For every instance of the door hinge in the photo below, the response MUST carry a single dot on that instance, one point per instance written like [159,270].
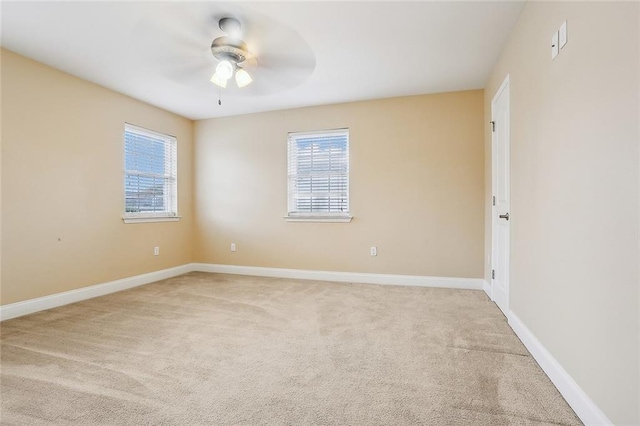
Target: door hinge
[493,126]
[493,274]
[494,200]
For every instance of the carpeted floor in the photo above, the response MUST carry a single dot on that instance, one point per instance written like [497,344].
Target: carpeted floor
[219,349]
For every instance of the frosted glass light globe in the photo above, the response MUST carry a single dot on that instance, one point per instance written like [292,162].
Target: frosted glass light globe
[224,70]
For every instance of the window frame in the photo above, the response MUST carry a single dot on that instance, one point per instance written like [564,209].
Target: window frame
[171,215]
[340,217]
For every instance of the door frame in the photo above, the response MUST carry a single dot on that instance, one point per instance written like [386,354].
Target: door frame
[494,163]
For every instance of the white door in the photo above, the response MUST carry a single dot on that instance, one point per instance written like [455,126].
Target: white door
[501,197]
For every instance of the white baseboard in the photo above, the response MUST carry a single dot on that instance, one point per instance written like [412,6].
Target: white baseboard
[584,407]
[486,286]
[351,277]
[26,307]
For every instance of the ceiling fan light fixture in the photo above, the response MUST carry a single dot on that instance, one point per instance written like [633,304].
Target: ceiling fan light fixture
[224,70]
[243,78]
[215,79]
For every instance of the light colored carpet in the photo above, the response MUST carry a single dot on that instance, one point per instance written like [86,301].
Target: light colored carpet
[220,349]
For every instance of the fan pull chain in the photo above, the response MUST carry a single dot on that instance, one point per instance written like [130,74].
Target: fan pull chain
[219,100]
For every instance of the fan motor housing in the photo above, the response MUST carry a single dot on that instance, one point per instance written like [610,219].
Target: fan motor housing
[229,49]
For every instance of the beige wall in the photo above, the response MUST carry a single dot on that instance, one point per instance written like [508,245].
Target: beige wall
[574,176]
[62,178]
[0,177]
[416,188]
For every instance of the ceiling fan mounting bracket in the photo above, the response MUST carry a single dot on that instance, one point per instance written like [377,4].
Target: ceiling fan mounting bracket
[230,25]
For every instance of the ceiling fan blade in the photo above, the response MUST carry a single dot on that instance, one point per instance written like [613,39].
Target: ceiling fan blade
[267,81]
[284,78]
[250,63]
[288,61]
[178,53]
[191,74]
[264,35]
[179,43]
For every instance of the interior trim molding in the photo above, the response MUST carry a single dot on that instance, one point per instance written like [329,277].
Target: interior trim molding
[142,219]
[486,286]
[18,309]
[577,399]
[352,277]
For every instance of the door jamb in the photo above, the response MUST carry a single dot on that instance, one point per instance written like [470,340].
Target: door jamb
[494,188]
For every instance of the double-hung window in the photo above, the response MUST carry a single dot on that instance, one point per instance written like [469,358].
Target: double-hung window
[318,176]
[151,178]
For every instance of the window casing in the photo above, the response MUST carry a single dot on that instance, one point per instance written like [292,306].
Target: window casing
[150,178]
[318,175]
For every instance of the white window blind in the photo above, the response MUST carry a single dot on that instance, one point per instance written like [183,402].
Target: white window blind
[150,182]
[318,174]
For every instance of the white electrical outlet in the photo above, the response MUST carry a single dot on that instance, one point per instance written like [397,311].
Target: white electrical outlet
[562,35]
[554,45]
[374,251]
[233,246]
[156,251]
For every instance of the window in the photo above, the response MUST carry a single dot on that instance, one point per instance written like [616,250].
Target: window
[150,180]
[318,176]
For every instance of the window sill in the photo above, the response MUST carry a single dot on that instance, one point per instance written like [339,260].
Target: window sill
[150,219]
[327,219]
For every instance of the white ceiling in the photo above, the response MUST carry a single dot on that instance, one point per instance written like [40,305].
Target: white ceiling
[158,51]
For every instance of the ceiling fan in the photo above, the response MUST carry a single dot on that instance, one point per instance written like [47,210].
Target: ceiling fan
[232,53]
[252,54]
